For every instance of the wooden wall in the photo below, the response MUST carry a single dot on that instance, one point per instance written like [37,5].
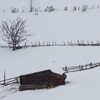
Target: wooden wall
[43,79]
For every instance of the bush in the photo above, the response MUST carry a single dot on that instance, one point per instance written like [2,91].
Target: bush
[84,8]
[49,9]
[14,10]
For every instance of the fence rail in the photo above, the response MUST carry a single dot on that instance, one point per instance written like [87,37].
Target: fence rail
[80,67]
[54,43]
[16,80]
[9,81]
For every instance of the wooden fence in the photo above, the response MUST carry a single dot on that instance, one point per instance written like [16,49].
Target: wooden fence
[80,67]
[16,80]
[54,43]
[9,81]
[68,43]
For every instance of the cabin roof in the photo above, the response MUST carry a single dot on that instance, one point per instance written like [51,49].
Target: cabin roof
[40,72]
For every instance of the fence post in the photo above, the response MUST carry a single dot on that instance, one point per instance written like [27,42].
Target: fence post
[98,6]
[4,78]
[32,44]
[80,67]
[92,43]
[78,42]
[78,7]
[91,65]
[25,45]
[16,80]
[49,44]
[88,43]
[39,43]
[55,43]
[46,43]
[66,69]
[64,43]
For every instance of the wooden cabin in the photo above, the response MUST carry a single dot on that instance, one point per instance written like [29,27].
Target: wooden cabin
[40,80]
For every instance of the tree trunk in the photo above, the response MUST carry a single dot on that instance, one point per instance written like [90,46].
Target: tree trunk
[14,47]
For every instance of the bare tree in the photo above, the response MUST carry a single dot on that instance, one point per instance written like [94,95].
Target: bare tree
[14,32]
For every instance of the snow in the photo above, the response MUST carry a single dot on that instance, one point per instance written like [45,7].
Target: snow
[56,26]
[36,59]
[4,91]
[82,85]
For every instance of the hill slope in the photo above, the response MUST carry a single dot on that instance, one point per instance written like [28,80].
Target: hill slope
[55,26]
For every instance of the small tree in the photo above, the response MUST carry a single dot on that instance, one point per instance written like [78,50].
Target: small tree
[14,32]
[84,8]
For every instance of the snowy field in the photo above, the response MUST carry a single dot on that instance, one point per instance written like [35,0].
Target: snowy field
[55,26]
[83,85]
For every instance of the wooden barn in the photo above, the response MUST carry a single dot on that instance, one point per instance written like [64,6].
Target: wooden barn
[40,80]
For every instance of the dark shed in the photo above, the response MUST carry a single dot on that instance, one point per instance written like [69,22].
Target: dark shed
[42,79]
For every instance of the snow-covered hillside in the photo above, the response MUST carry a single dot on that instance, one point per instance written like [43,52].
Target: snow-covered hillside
[82,85]
[56,26]
[43,3]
